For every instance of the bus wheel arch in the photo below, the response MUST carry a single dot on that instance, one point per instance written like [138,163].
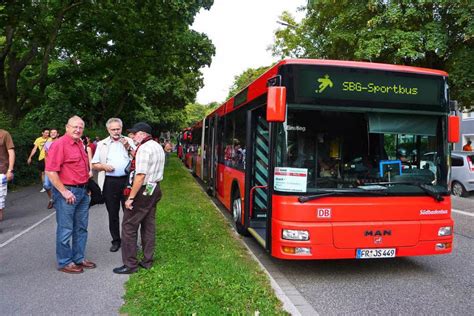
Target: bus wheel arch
[236,209]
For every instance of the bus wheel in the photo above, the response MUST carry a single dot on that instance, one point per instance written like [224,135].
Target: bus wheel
[458,189]
[237,214]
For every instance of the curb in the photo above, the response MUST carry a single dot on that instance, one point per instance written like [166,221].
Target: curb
[293,302]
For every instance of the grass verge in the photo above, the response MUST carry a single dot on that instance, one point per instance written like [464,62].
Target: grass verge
[200,265]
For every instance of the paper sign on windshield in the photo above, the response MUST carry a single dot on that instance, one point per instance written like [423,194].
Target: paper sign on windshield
[290,179]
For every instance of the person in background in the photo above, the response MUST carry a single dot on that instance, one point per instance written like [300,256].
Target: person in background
[140,207]
[85,141]
[96,140]
[38,145]
[54,135]
[468,146]
[7,163]
[111,159]
[168,148]
[68,169]
[89,143]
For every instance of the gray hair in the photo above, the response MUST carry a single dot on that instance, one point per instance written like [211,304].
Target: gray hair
[113,120]
[75,118]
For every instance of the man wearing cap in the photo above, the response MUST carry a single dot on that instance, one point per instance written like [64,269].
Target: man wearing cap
[140,207]
[67,168]
[111,159]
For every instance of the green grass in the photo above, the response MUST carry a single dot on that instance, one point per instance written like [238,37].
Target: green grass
[200,265]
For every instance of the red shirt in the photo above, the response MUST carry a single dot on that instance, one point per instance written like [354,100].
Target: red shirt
[93,147]
[69,159]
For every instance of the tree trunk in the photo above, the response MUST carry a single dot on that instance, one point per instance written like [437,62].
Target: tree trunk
[3,87]
[9,31]
[12,93]
[121,104]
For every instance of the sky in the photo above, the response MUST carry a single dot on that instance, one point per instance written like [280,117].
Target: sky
[241,31]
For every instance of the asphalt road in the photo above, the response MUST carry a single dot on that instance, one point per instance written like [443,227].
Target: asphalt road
[29,281]
[426,285]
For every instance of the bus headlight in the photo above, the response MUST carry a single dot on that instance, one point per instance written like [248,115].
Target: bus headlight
[445,231]
[292,234]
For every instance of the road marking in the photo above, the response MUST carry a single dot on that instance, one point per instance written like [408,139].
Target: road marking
[26,230]
[463,213]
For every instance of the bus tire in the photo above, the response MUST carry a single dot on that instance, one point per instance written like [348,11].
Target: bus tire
[209,191]
[458,189]
[236,204]
[193,167]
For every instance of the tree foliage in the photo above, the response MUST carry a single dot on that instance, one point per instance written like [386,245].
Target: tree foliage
[244,79]
[194,112]
[100,59]
[435,34]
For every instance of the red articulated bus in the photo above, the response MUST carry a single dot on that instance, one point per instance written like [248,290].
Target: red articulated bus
[322,159]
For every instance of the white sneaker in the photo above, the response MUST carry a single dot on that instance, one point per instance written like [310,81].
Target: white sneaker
[42,190]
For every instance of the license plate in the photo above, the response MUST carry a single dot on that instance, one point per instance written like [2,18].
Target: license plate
[375,253]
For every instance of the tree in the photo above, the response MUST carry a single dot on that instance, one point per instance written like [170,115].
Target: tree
[434,34]
[244,79]
[103,58]
[195,112]
[30,30]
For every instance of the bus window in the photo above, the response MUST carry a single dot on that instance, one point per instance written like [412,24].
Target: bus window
[234,140]
[343,150]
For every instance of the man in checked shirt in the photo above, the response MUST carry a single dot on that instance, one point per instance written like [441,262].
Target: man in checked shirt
[140,207]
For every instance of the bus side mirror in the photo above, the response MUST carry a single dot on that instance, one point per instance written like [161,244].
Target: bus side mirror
[453,129]
[276,104]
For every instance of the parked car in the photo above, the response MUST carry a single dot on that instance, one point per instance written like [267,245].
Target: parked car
[462,172]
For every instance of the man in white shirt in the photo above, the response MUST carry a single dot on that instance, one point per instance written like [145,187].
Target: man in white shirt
[111,159]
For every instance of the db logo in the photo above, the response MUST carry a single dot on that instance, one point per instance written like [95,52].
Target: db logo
[324,213]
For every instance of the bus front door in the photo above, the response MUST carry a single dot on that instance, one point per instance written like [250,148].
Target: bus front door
[258,174]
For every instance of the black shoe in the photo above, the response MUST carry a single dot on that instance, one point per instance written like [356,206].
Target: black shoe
[141,264]
[124,270]
[114,248]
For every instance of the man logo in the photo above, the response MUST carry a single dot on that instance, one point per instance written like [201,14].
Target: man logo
[324,213]
[375,233]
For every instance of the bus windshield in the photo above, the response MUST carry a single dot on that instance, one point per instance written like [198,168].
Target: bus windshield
[346,150]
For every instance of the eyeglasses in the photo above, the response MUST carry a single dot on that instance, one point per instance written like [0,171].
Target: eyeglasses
[115,129]
[76,127]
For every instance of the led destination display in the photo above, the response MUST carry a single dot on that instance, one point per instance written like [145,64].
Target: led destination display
[335,83]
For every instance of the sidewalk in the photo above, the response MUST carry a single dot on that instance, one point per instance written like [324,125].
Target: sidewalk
[29,280]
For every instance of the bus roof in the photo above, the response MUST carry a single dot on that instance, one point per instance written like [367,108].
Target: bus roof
[364,64]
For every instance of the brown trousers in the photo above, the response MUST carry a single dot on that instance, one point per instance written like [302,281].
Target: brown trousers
[142,214]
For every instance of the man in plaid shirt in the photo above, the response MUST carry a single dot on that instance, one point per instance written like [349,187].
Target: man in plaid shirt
[140,206]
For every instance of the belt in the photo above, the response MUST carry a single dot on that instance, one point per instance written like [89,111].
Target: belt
[117,177]
[83,186]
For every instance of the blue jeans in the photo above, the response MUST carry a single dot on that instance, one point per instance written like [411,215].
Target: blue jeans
[72,221]
[47,185]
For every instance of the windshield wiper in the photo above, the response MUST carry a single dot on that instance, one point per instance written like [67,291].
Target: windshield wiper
[427,188]
[430,191]
[356,192]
